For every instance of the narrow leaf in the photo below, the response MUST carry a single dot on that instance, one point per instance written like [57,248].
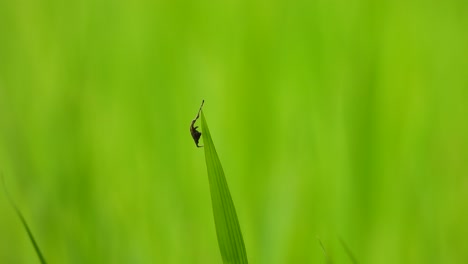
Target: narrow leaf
[25,224]
[231,243]
[348,251]
[325,254]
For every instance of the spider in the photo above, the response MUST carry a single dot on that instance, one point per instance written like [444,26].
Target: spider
[193,129]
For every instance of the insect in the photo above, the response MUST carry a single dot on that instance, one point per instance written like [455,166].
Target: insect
[193,129]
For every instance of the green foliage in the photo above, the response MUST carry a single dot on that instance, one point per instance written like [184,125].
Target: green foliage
[25,224]
[348,251]
[325,253]
[337,117]
[231,243]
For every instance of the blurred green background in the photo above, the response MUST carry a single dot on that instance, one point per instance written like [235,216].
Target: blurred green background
[331,118]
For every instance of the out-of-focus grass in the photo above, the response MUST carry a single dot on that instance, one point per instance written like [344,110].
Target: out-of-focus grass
[337,117]
[348,251]
[24,223]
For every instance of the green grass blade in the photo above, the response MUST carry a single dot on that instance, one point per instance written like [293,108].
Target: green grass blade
[25,224]
[325,254]
[348,252]
[231,243]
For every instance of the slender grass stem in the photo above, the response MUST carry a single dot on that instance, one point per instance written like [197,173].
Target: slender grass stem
[25,224]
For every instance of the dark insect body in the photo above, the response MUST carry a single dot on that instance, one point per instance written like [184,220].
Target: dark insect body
[193,129]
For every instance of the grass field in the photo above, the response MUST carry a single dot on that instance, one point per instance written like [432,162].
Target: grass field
[332,119]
